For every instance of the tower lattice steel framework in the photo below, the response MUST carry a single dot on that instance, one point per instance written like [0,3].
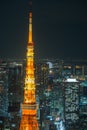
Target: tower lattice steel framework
[29,108]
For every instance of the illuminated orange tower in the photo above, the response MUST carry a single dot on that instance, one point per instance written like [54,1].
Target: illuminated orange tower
[29,109]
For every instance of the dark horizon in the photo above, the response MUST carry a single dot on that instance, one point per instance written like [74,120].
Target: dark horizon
[59,29]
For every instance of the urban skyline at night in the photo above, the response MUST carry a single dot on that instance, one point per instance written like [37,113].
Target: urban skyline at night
[59,29]
[43,65]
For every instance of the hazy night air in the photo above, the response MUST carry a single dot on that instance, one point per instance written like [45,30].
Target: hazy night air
[59,27]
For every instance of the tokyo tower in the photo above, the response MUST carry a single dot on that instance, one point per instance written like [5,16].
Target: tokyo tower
[29,108]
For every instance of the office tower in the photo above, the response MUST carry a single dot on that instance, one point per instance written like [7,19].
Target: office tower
[83,103]
[15,78]
[3,92]
[71,103]
[41,74]
[15,92]
[29,108]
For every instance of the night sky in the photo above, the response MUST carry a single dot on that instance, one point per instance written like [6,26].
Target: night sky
[59,28]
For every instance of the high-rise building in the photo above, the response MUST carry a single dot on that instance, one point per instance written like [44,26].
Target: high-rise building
[29,107]
[15,85]
[71,102]
[41,74]
[3,92]
[15,93]
[83,103]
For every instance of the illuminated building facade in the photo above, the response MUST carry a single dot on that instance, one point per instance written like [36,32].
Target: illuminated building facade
[29,108]
[41,73]
[83,102]
[71,101]
[15,77]
[3,92]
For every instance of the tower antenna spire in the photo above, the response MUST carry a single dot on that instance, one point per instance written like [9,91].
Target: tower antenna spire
[30,22]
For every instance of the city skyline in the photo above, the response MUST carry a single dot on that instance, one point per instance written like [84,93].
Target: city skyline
[59,29]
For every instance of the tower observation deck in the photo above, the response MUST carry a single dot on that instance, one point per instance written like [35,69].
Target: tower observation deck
[29,107]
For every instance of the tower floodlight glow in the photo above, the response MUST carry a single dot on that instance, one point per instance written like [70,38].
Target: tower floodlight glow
[29,108]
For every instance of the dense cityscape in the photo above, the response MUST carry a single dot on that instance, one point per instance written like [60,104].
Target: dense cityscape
[42,93]
[61,94]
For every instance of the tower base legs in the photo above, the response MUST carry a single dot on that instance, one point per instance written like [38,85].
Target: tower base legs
[29,123]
